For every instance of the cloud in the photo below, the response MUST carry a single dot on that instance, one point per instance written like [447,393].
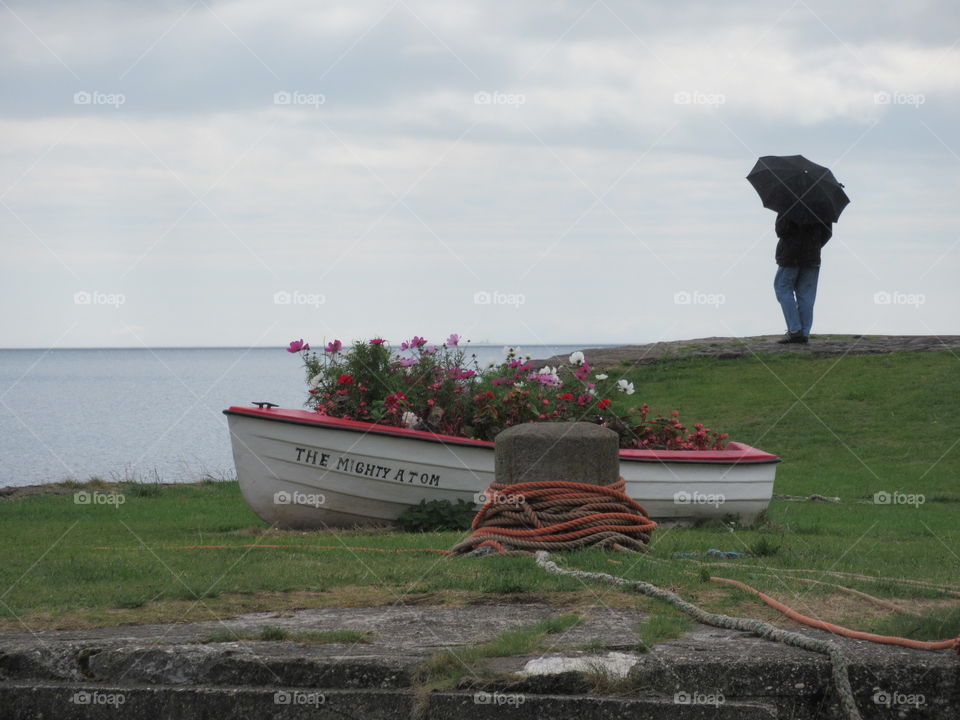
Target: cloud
[590,158]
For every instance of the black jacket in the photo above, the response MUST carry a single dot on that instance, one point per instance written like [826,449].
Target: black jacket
[799,245]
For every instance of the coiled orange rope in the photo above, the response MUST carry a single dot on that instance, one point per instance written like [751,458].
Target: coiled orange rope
[525,517]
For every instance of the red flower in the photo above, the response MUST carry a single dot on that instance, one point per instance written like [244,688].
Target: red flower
[603,404]
[392,401]
[565,396]
[345,379]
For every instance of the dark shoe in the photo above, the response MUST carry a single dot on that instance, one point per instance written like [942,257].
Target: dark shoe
[792,337]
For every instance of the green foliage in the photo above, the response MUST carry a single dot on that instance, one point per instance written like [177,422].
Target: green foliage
[437,515]
[442,389]
[764,547]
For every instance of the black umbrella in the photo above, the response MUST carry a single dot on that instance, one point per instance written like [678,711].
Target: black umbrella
[801,190]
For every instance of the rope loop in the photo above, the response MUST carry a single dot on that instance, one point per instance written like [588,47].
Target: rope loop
[522,518]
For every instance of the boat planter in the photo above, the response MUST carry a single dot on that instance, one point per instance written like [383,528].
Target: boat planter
[301,470]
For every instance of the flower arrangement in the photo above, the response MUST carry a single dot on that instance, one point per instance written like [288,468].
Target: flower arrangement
[442,389]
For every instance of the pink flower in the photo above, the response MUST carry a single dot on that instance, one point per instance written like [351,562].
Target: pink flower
[298,345]
[415,342]
[333,347]
[377,341]
[407,362]
[453,339]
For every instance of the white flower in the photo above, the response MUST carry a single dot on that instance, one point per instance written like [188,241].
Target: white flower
[577,358]
[601,376]
[511,352]
[518,384]
[491,364]
[591,391]
[315,381]
[410,419]
[625,387]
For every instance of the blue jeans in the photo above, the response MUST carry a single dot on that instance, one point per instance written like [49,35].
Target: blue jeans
[796,289]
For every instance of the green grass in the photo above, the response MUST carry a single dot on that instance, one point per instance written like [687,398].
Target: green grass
[932,625]
[862,425]
[277,634]
[664,623]
[447,667]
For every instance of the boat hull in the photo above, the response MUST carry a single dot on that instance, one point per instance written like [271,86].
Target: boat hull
[298,470]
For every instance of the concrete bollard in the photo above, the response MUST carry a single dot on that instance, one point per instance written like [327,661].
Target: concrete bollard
[573,452]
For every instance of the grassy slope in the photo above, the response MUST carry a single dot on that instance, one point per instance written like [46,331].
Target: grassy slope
[864,424]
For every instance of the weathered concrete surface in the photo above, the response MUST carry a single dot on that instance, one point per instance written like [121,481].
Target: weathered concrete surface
[64,702]
[572,452]
[729,348]
[166,672]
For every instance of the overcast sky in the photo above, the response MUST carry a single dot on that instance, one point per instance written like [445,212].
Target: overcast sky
[244,173]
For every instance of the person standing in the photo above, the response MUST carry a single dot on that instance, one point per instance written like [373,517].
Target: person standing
[798,272]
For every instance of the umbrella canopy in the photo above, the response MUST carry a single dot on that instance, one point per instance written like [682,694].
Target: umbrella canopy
[801,190]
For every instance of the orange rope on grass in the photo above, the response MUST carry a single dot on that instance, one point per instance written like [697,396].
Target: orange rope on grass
[289,547]
[840,630]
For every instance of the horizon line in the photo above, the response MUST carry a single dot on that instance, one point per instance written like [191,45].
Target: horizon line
[282,347]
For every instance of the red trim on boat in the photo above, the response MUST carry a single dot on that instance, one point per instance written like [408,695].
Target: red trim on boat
[735,453]
[305,417]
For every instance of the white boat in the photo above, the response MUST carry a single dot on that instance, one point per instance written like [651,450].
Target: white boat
[301,470]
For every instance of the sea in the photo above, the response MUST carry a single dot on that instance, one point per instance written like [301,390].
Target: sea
[148,415]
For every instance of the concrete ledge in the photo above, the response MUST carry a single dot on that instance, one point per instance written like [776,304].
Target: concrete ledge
[709,673]
[75,702]
[558,707]
[72,702]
